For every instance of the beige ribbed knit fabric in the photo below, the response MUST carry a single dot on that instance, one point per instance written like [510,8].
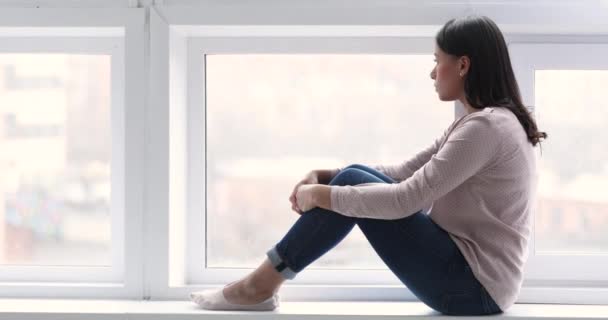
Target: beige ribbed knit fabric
[478,180]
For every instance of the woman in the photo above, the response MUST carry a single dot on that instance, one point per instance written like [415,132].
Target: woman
[453,222]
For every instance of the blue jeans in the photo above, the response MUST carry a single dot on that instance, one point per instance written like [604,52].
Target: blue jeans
[419,252]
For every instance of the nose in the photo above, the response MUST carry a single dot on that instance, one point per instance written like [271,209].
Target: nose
[432,74]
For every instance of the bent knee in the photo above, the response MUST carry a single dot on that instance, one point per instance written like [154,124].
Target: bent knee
[348,176]
[355,166]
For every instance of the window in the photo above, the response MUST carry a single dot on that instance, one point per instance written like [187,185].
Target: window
[571,216]
[70,104]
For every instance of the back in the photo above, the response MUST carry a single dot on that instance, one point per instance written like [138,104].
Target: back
[489,215]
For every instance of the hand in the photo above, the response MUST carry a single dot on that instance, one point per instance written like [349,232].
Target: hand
[310,178]
[305,197]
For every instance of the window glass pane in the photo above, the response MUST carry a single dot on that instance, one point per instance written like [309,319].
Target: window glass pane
[272,118]
[55,159]
[572,212]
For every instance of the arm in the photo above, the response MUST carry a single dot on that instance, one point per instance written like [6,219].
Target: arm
[406,169]
[471,146]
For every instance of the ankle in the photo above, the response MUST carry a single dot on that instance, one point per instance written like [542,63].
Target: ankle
[254,287]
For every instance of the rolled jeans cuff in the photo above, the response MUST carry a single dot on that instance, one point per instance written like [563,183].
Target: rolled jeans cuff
[279,264]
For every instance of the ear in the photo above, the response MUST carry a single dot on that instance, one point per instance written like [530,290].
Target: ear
[463,64]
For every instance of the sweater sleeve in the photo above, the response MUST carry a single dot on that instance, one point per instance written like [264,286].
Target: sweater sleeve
[470,148]
[406,169]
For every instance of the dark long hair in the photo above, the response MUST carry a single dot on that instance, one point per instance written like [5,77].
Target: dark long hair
[490,80]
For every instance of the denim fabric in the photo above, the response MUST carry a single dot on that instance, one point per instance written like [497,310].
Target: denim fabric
[419,252]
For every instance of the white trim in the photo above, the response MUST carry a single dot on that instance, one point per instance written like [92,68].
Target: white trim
[306,31]
[196,228]
[18,309]
[525,17]
[301,13]
[63,3]
[157,254]
[180,133]
[135,96]
[393,45]
[21,32]
[59,44]
[118,180]
[69,17]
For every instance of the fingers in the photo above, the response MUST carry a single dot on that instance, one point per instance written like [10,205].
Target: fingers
[296,209]
[293,197]
[294,201]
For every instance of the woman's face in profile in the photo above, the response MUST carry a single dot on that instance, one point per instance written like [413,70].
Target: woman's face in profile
[446,73]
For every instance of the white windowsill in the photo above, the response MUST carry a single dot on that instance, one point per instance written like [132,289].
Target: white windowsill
[16,309]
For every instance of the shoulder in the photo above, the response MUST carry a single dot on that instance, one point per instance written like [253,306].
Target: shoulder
[482,128]
[482,120]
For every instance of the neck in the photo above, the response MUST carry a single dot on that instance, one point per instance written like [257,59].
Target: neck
[467,107]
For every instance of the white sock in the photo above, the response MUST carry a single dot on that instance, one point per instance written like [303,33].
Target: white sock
[215,300]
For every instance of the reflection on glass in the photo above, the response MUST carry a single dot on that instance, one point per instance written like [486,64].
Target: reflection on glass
[55,159]
[271,118]
[572,212]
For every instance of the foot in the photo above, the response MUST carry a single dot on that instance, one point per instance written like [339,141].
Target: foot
[240,292]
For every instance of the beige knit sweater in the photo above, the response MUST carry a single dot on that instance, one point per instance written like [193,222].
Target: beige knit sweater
[478,182]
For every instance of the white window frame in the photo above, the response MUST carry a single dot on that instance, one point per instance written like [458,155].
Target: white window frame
[176,32]
[119,33]
[589,269]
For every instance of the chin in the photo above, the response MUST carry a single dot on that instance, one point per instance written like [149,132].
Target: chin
[444,98]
